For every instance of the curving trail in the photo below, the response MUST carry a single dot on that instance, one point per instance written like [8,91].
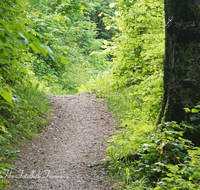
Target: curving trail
[59,158]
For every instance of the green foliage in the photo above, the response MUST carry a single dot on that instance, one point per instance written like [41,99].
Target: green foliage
[138,50]
[136,70]
[26,115]
[100,14]
[47,46]
[22,106]
[161,160]
[71,35]
[141,156]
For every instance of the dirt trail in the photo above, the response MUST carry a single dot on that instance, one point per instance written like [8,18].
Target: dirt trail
[60,156]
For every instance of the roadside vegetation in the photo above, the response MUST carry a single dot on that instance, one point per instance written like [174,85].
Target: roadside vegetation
[46,47]
[143,155]
[112,48]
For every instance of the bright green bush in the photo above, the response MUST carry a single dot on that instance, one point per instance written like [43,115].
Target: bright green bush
[161,160]
[26,115]
[136,67]
[23,107]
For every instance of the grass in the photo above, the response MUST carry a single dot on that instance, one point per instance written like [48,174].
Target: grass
[22,119]
[141,157]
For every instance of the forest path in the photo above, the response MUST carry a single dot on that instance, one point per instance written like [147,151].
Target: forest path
[60,156]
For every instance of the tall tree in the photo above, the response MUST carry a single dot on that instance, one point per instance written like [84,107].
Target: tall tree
[182,59]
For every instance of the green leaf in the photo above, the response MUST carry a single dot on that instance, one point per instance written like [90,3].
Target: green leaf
[22,41]
[22,35]
[193,118]
[34,48]
[62,59]
[99,100]
[37,48]
[37,85]
[30,36]
[195,111]
[47,48]
[169,174]
[18,26]
[187,110]
[3,128]
[127,170]
[157,188]
[1,138]
[7,96]
[3,38]
[52,57]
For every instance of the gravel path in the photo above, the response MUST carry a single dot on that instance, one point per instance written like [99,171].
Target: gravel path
[60,156]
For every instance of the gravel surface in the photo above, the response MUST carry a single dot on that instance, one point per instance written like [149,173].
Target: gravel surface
[60,156]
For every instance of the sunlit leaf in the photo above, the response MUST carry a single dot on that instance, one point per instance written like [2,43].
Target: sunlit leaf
[187,109]
[62,59]
[195,111]
[47,48]
[7,96]
[161,151]
[37,48]
[3,129]
[34,48]
[18,25]
[22,41]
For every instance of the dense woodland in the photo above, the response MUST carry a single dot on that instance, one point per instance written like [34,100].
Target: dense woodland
[116,49]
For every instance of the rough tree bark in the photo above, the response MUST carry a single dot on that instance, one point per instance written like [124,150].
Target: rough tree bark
[182,59]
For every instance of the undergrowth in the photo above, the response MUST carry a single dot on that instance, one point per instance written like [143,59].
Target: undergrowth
[46,47]
[53,47]
[68,32]
[157,160]
[20,120]
[23,107]
[143,156]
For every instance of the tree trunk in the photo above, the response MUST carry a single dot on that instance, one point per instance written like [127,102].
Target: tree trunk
[182,59]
